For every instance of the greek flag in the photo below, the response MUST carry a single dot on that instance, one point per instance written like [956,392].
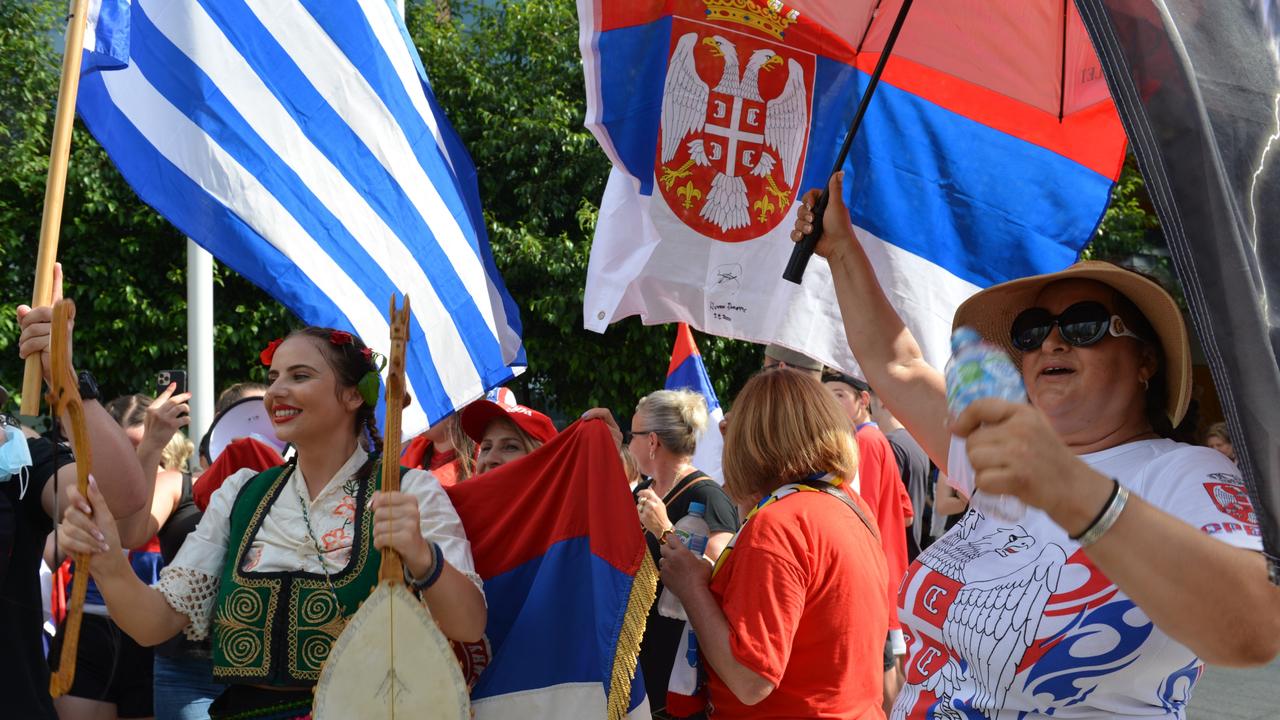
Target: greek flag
[299,142]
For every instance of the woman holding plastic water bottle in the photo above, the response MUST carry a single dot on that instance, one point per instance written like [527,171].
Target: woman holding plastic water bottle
[664,435]
[1125,560]
[791,622]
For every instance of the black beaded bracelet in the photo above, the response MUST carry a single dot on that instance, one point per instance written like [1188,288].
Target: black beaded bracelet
[436,568]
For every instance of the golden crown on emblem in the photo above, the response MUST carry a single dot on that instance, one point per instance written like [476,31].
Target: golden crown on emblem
[772,17]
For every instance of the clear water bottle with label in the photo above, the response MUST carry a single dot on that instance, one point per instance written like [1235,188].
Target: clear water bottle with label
[692,531]
[978,369]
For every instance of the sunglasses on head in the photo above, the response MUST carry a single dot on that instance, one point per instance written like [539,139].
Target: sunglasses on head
[1080,325]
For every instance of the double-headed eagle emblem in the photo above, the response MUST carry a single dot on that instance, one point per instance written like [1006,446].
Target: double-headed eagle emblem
[733,130]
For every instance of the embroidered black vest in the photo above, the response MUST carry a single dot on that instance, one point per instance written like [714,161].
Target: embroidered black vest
[277,628]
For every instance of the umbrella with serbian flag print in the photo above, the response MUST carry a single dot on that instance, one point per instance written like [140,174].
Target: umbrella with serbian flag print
[987,153]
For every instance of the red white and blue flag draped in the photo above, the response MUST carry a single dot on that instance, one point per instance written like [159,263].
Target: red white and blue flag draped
[687,372]
[568,580]
[299,142]
[988,153]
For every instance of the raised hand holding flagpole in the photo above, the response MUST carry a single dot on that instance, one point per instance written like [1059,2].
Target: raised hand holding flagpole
[55,187]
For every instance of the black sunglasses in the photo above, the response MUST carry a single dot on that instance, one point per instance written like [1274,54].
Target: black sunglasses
[1080,325]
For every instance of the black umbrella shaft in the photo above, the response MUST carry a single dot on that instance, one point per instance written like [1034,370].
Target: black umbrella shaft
[803,250]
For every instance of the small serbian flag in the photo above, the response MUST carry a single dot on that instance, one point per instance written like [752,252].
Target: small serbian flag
[568,579]
[687,371]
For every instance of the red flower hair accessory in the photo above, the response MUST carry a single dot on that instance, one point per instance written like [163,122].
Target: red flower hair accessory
[269,353]
[340,337]
[367,352]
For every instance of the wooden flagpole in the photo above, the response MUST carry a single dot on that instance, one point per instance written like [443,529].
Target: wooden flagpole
[51,222]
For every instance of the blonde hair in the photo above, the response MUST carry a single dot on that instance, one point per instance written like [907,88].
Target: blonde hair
[630,467]
[177,453]
[463,447]
[786,426]
[1218,430]
[677,416]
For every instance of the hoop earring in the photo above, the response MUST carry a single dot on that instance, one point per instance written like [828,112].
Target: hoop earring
[1146,383]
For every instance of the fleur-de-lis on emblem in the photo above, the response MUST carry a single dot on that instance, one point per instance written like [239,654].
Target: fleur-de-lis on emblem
[765,207]
[688,193]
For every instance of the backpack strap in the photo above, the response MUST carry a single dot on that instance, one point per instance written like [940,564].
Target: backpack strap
[695,478]
[838,493]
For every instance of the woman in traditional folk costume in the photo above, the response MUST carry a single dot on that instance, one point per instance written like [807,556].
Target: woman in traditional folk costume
[282,558]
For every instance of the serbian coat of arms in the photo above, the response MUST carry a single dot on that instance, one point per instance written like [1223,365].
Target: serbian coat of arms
[735,119]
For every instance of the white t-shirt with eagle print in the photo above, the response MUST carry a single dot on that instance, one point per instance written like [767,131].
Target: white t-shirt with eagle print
[1010,620]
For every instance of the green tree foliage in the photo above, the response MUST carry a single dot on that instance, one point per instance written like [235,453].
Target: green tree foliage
[1128,226]
[125,266]
[1129,233]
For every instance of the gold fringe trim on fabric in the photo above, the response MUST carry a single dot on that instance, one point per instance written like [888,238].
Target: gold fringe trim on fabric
[644,587]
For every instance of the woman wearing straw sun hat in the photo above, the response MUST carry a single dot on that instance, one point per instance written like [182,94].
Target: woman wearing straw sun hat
[1137,558]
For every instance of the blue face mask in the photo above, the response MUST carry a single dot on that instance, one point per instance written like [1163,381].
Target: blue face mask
[14,454]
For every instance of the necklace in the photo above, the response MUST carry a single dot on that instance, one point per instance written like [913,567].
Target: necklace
[682,483]
[315,543]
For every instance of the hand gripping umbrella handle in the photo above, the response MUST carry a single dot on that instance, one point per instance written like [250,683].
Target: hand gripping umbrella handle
[803,250]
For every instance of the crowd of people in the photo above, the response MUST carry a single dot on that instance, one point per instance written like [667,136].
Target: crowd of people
[843,576]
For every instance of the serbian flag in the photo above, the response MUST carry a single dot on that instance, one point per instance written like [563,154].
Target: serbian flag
[988,153]
[687,372]
[568,579]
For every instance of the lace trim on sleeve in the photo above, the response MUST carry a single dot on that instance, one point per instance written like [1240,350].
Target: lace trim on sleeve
[191,593]
[478,582]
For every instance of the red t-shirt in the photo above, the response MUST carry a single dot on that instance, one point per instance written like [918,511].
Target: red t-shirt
[801,591]
[881,486]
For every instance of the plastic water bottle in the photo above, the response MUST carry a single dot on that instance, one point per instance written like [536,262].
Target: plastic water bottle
[977,369]
[691,530]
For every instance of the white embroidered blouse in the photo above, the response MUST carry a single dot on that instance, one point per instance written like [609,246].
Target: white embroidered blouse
[283,543]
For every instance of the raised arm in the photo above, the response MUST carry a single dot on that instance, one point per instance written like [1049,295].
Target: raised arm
[115,465]
[912,389]
[165,416]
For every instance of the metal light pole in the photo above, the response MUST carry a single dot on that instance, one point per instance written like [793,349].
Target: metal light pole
[200,339]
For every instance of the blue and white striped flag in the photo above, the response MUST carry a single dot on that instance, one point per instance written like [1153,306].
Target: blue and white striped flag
[299,142]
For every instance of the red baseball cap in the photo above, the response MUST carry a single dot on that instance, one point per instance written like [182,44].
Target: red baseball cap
[477,416]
